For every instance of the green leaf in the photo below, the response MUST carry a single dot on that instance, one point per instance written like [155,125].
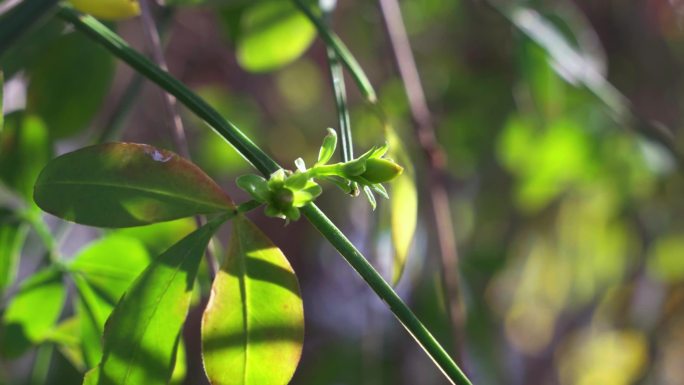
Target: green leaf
[253,326]
[111,264]
[256,186]
[126,184]
[272,34]
[93,309]
[12,237]
[33,312]
[328,148]
[101,273]
[68,84]
[24,149]
[403,206]
[67,336]
[92,377]
[142,334]
[159,236]
[180,369]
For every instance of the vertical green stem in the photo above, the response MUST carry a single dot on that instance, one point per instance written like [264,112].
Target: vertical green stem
[340,91]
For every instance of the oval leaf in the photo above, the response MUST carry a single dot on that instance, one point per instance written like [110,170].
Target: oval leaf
[142,335]
[33,312]
[272,34]
[126,184]
[253,327]
[404,206]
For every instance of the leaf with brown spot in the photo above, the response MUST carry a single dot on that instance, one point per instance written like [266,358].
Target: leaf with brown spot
[126,184]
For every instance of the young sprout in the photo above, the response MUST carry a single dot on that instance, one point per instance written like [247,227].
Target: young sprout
[285,192]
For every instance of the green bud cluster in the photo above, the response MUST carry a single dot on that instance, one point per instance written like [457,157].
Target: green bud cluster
[286,191]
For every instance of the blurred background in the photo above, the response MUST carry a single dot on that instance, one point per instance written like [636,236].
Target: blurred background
[560,123]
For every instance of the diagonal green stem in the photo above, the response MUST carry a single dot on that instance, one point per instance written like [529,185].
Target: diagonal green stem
[266,166]
[333,41]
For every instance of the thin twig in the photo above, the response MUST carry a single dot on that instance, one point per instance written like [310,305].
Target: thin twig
[171,106]
[425,132]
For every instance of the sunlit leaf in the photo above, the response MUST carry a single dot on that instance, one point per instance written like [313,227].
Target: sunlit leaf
[142,334]
[159,236]
[12,236]
[110,264]
[253,326]
[69,82]
[93,309]
[108,9]
[273,33]
[101,273]
[24,149]
[92,377]
[180,368]
[125,184]
[32,312]
[328,147]
[67,336]
[403,206]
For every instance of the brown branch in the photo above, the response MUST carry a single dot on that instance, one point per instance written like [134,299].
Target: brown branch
[171,105]
[425,133]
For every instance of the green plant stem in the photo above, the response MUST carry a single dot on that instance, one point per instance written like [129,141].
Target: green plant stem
[43,231]
[340,92]
[41,364]
[260,160]
[19,19]
[333,41]
[385,291]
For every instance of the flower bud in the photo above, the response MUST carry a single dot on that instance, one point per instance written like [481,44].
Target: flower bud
[380,170]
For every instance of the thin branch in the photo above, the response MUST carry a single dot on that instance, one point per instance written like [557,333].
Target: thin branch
[171,106]
[266,165]
[340,91]
[425,133]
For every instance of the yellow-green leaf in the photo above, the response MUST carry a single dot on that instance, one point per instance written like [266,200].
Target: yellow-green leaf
[142,335]
[403,206]
[272,34]
[126,184]
[33,312]
[253,326]
[108,9]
